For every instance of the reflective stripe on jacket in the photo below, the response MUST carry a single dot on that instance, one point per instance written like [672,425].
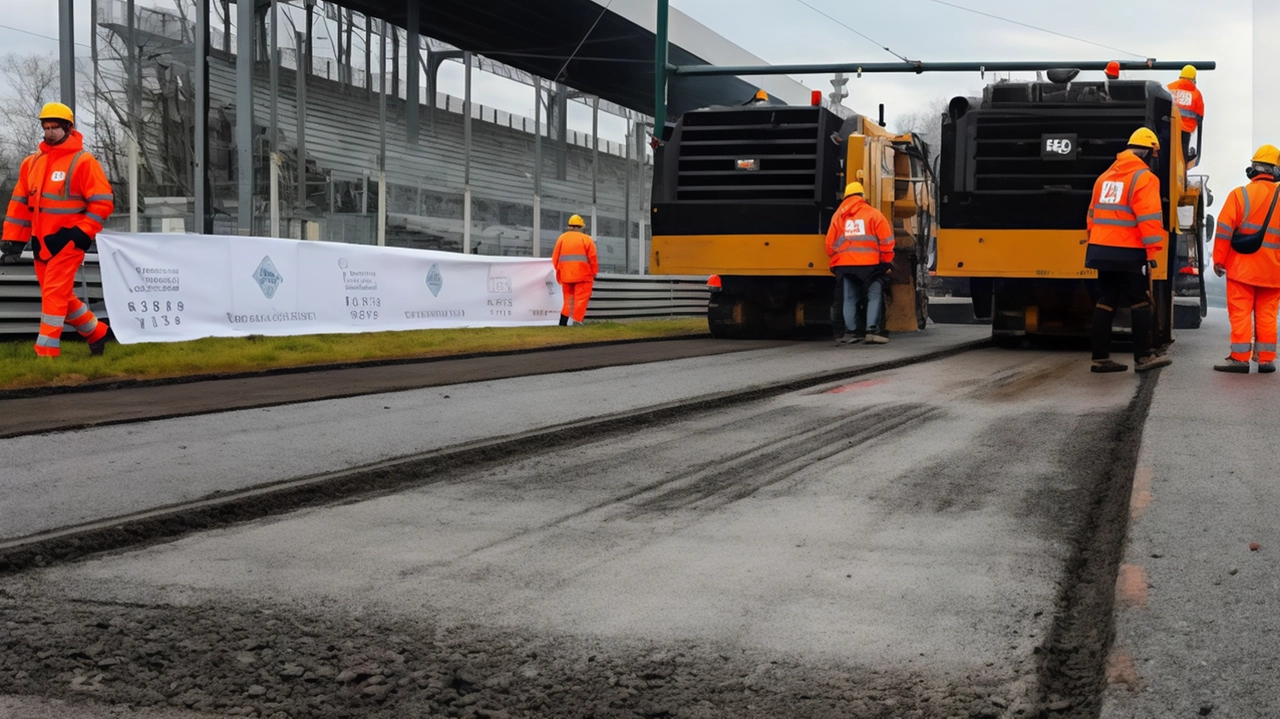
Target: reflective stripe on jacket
[60,186]
[575,258]
[1126,209]
[859,235]
[1189,101]
[1245,209]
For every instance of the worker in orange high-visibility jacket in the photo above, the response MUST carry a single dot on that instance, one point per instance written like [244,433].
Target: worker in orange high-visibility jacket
[1126,235]
[860,245]
[576,268]
[59,205]
[1253,280]
[1186,95]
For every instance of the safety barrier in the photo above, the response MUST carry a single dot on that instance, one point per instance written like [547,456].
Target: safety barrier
[20,296]
[613,296]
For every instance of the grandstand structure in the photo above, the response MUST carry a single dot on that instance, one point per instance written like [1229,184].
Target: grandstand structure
[378,153]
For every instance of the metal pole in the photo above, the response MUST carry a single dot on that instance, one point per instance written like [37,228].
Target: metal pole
[537,166]
[413,53]
[466,141]
[301,83]
[244,114]
[626,199]
[595,164]
[132,82]
[133,183]
[660,69]
[382,134]
[274,55]
[640,204]
[67,50]
[275,194]
[920,67]
[202,115]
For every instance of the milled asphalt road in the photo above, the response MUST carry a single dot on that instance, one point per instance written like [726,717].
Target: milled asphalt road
[115,470]
[900,539]
[1198,611]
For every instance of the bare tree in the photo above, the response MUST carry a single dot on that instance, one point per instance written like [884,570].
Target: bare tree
[927,123]
[33,80]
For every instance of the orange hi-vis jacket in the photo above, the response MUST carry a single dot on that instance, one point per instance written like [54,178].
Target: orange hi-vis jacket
[575,258]
[1126,210]
[1189,101]
[1245,209]
[859,235]
[58,187]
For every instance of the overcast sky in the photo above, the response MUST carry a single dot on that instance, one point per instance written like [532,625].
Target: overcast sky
[788,31]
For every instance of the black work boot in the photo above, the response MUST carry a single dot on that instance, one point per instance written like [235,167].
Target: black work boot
[564,320]
[96,349]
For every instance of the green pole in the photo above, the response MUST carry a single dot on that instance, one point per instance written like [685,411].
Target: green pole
[660,70]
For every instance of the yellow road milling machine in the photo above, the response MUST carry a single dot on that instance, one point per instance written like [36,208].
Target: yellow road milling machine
[1016,178]
[744,196]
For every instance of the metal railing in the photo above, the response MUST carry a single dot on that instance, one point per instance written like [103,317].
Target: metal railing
[614,296]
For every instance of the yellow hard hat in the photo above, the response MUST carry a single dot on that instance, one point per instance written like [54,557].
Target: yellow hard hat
[762,95]
[853,188]
[576,221]
[1268,155]
[1143,137]
[1188,72]
[57,111]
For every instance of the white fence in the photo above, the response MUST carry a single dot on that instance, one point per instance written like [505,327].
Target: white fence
[613,296]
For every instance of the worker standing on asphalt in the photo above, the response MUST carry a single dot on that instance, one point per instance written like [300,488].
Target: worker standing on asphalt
[60,204]
[1126,235]
[576,268]
[1186,95]
[1252,268]
[860,245]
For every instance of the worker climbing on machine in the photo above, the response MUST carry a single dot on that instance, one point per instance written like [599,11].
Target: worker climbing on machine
[1126,235]
[59,204]
[1246,249]
[576,268]
[860,244]
[1186,95]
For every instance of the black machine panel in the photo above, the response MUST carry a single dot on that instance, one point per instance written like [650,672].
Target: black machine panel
[1026,155]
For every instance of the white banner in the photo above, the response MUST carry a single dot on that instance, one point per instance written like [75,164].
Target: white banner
[171,287]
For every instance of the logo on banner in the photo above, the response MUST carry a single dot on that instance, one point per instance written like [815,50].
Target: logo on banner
[499,285]
[357,280]
[267,277]
[552,285]
[434,280]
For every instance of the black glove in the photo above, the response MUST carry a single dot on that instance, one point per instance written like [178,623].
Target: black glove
[886,268]
[1151,264]
[66,236]
[8,247]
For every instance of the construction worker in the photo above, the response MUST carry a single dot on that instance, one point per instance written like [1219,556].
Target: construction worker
[1126,235]
[1190,103]
[860,245]
[1253,279]
[576,268]
[59,205]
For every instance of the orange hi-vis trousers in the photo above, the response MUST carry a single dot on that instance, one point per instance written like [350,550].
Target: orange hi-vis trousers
[59,304]
[1247,304]
[576,295]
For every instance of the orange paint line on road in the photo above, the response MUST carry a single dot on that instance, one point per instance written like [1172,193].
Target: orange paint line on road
[1141,496]
[1131,585]
[1120,670]
[856,385]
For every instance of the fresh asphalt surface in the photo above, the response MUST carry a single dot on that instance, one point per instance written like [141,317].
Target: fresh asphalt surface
[892,544]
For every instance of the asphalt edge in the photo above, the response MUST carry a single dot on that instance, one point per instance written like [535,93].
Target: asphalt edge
[1071,676]
[168,523]
[107,385]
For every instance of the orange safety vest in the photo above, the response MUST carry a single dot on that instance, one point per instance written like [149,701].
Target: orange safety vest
[575,258]
[1245,209]
[1126,210]
[859,235]
[1189,101]
[58,187]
